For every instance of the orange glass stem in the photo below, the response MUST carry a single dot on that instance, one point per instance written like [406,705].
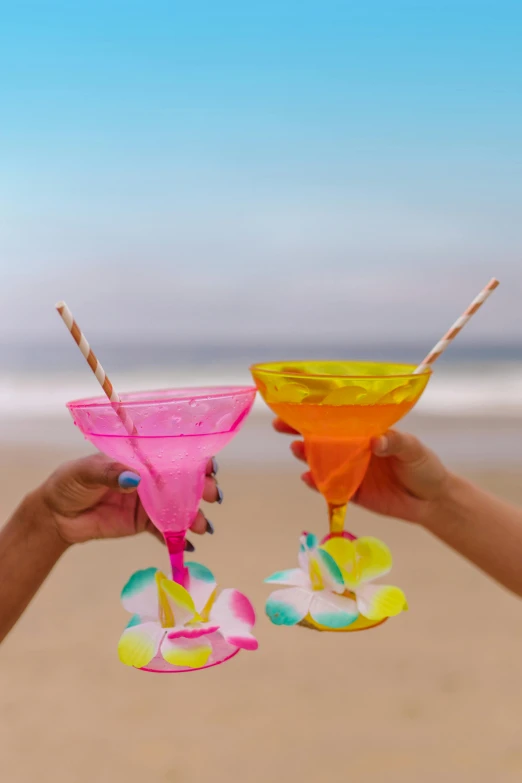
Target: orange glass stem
[336,515]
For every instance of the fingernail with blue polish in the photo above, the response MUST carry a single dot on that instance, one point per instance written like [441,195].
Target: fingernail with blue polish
[215,466]
[128,479]
[210,527]
[220,495]
[189,546]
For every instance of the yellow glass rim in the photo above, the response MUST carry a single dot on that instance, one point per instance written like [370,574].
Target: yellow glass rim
[290,369]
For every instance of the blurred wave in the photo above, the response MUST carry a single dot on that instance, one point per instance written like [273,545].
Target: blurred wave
[471,411]
[37,381]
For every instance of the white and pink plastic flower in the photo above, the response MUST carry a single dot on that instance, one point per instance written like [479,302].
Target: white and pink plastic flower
[174,629]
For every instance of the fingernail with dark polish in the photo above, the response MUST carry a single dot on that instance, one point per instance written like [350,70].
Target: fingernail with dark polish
[189,546]
[215,466]
[128,479]
[220,495]
[210,527]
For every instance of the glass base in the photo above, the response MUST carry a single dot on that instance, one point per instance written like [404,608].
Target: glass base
[221,652]
[361,624]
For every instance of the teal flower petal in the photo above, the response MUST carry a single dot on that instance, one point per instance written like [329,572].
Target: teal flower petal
[330,571]
[140,594]
[201,585]
[201,572]
[311,541]
[333,611]
[292,576]
[288,607]
[135,620]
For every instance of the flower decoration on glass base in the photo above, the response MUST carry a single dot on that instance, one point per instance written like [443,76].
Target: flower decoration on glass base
[333,589]
[173,629]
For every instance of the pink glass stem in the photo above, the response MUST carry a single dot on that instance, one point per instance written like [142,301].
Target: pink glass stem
[176,547]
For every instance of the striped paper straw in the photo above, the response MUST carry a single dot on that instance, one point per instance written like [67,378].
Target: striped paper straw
[457,327]
[101,376]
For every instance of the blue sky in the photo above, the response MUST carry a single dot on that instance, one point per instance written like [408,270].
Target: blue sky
[165,157]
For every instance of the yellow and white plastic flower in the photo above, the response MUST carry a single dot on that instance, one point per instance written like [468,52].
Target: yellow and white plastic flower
[333,589]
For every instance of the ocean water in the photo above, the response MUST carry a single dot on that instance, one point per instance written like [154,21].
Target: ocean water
[493,389]
[471,410]
[37,379]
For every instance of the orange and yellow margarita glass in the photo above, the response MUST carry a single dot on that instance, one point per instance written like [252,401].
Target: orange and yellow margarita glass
[338,407]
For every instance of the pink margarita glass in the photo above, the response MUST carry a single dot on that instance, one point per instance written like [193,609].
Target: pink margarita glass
[175,432]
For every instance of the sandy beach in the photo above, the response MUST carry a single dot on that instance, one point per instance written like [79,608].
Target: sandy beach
[434,695]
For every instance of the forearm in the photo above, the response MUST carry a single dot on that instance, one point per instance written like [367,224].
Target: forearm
[29,548]
[485,530]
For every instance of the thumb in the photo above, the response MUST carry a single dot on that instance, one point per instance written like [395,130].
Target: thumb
[405,447]
[100,471]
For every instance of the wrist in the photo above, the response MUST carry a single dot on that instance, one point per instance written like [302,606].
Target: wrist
[34,516]
[450,504]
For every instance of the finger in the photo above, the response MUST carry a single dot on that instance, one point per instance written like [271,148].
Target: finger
[280,426]
[100,471]
[201,524]
[308,480]
[212,467]
[212,492]
[297,448]
[401,445]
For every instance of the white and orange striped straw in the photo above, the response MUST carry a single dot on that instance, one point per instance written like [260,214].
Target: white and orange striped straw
[101,376]
[457,327]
